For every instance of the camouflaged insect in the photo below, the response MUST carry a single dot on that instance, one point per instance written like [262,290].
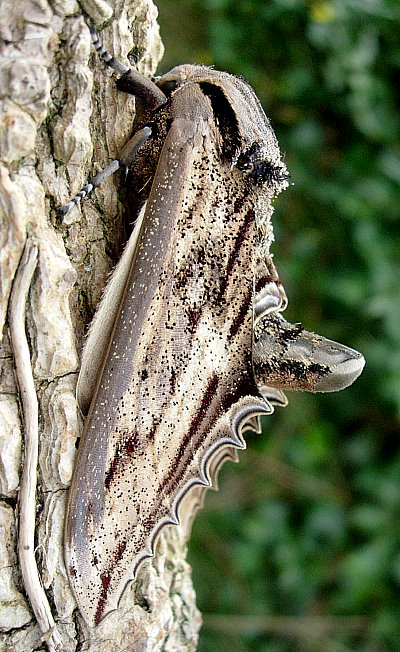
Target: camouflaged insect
[195,346]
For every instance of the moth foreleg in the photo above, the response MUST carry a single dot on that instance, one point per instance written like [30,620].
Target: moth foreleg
[106,56]
[127,156]
[132,82]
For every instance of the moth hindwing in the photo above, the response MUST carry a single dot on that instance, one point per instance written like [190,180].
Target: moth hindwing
[177,386]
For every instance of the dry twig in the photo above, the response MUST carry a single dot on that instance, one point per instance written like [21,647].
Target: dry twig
[27,495]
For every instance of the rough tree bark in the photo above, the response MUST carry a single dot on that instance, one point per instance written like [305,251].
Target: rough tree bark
[61,120]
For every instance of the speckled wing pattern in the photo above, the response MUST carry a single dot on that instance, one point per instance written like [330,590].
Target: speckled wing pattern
[178,388]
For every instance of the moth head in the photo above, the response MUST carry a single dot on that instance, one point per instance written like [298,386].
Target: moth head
[248,141]
[176,78]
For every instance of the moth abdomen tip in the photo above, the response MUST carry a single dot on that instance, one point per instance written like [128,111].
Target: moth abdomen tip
[343,374]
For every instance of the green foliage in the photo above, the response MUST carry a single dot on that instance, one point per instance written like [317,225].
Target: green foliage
[308,525]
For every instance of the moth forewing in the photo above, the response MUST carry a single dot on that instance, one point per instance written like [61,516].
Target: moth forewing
[193,501]
[105,320]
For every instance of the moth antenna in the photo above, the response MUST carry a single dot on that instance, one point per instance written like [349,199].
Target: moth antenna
[127,156]
[106,56]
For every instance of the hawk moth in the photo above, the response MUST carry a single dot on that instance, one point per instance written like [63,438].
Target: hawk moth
[188,348]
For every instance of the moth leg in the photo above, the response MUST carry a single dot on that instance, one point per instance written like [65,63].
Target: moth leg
[106,56]
[132,82]
[127,156]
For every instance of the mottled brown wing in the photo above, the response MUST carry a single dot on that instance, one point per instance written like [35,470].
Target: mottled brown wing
[177,385]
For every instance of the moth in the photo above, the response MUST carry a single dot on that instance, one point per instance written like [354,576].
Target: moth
[189,347]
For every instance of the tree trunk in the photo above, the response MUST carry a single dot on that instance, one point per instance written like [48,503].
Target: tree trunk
[59,112]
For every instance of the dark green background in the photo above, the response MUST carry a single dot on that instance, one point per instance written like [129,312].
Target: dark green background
[305,531]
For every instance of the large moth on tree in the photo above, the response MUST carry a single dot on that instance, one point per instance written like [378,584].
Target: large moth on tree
[189,347]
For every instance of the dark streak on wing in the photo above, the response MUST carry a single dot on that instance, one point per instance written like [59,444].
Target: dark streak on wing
[106,577]
[245,386]
[263,281]
[194,315]
[241,315]
[125,448]
[172,380]
[239,203]
[170,482]
[106,580]
[244,227]
[153,429]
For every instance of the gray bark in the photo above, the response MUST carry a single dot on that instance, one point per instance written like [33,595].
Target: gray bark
[61,121]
